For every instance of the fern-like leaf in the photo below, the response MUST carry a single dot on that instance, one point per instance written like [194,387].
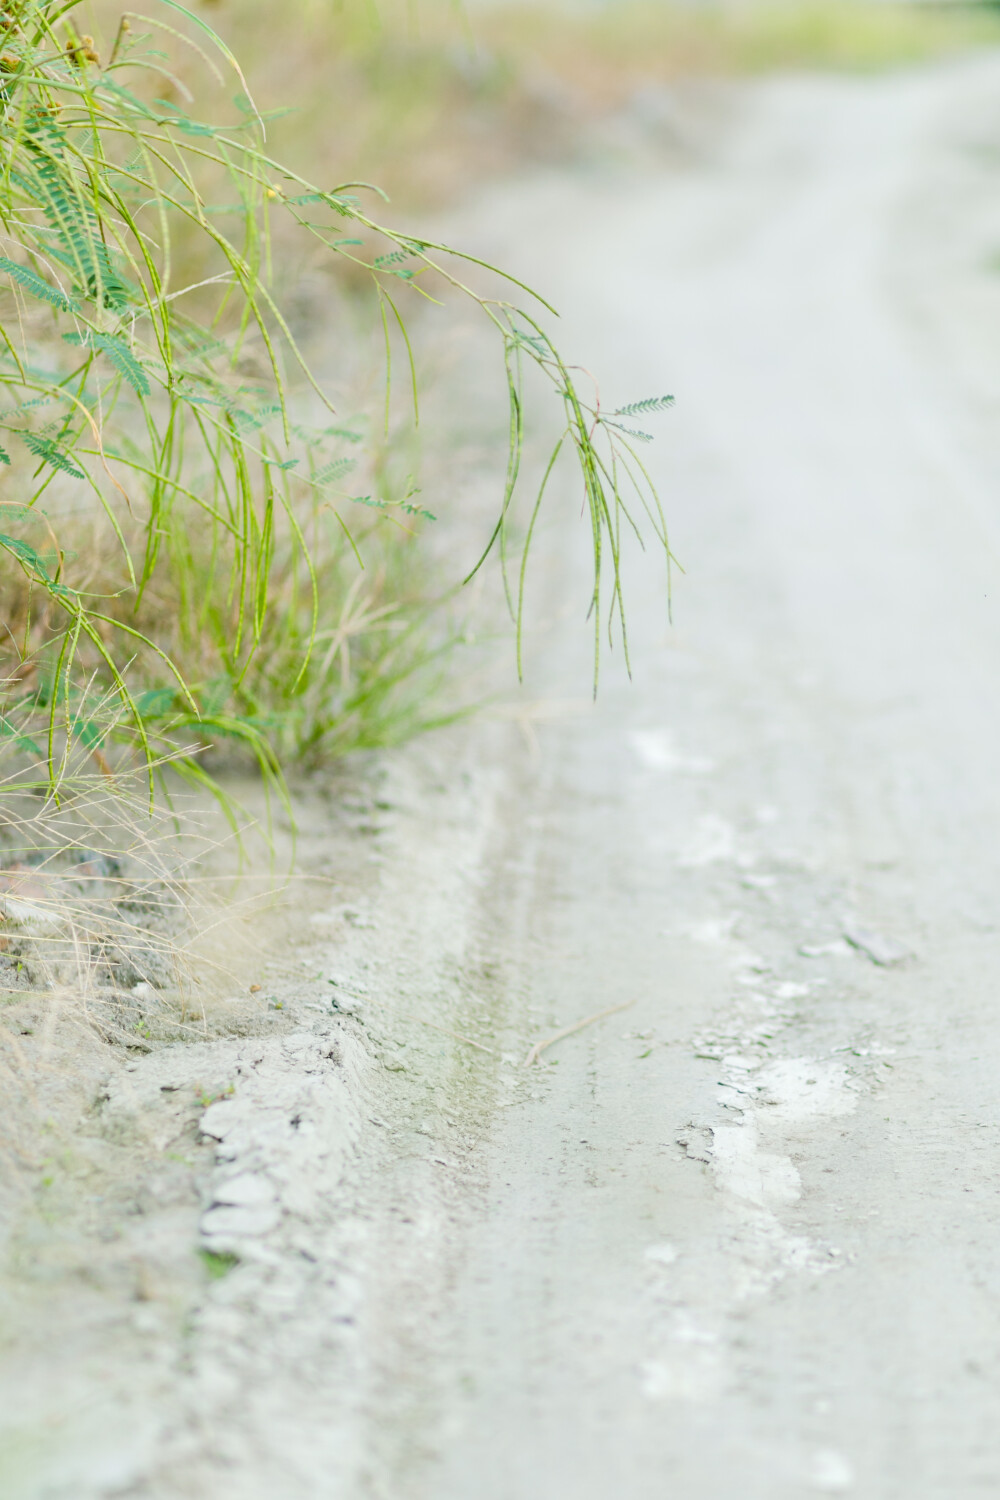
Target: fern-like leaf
[156,703]
[249,419]
[334,470]
[416,510]
[4,456]
[118,353]
[646,407]
[26,555]
[386,505]
[50,453]
[10,732]
[35,284]
[632,432]
[51,184]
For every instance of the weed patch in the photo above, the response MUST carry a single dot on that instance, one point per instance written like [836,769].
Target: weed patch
[202,554]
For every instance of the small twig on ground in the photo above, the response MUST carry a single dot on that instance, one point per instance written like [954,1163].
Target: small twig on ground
[540,1047]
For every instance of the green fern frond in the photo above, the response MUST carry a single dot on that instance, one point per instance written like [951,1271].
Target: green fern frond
[14,736]
[254,418]
[386,505]
[27,556]
[118,353]
[632,432]
[50,453]
[334,470]
[645,407]
[48,180]
[416,510]
[33,283]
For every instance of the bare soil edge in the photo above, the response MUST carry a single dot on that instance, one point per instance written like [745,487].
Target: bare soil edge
[184,1188]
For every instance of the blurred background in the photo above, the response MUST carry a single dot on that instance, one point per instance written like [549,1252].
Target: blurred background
[428,98]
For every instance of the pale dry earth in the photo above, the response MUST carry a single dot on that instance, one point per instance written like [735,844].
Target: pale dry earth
[742,1237]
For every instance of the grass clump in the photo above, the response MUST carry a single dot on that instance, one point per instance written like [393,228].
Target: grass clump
[198,546]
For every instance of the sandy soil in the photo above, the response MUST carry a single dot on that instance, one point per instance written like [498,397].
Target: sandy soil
[742,1236]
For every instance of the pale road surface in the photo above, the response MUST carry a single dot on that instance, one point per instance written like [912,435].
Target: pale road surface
[743,1238]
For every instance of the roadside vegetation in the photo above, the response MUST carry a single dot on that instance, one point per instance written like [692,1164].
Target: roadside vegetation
[200,547]
[211,521]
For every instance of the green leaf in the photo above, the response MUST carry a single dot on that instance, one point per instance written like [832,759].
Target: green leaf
[34,284]
[155,703]
[25,554]
[181,120]
[645,407]
[334,470]
[90,732]
[51,184]
[22,741]
[405,505]
[118,353]
[632,432]
[255,418]
[50,453]
[4,456]
[215,696]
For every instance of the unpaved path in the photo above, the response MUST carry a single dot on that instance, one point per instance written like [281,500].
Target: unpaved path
[741,1238]
[746,1239]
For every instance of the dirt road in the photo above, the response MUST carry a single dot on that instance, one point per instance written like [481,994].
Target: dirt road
[742,1237]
